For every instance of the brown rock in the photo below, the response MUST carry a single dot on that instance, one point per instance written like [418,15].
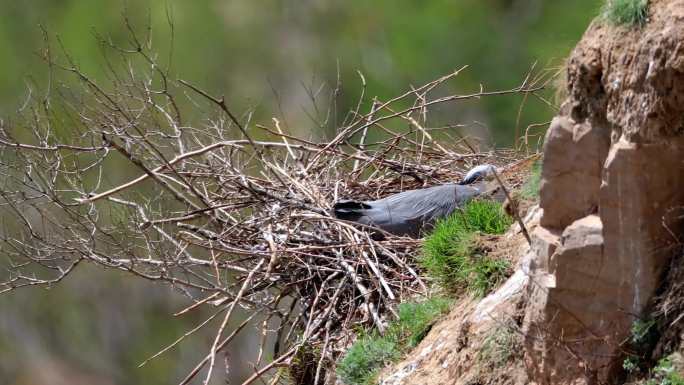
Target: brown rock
[565,317]
[544,244]
[643,183]
[603,270]
[613,173]
[571,173]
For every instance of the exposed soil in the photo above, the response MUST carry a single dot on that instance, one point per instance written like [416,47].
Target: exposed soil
[604,236]
[474,344]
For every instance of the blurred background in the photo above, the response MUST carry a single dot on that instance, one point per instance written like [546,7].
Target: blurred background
[266,56]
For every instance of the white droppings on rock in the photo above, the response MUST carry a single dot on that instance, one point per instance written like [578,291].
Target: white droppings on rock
[487,307]
[398,377]
[426,350]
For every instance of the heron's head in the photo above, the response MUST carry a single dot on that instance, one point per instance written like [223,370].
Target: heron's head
[478,173]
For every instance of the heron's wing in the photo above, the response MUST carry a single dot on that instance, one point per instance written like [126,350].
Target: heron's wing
[408,212]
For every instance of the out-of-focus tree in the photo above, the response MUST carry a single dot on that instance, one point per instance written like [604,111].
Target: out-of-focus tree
[267,56]
[252,50]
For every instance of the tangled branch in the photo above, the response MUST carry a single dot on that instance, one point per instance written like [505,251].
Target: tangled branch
[231,213]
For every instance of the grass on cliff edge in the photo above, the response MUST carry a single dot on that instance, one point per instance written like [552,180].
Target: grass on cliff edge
[451,256]
[626,12]
[665,373]
[372,351]
[530,189]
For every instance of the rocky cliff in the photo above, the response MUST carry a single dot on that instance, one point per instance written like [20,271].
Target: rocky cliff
[611,184]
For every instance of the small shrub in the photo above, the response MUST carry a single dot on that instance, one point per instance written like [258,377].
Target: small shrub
[302,368]
[626,12]
[631,364]
[642,332]
[371,352]
[665,374]
[450,255]
[499,347]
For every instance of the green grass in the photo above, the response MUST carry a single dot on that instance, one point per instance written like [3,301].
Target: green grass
[450,254]
[530,190]
[372,351]
[365,358]
[626,12]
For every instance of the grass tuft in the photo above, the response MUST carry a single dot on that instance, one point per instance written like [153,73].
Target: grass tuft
[643,337]
[372,351]
[365,358]
[530,190]
[499,347]
[450,253]
[631,364]
[626,12]
[416,318]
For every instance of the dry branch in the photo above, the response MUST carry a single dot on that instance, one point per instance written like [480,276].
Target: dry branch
[211,203]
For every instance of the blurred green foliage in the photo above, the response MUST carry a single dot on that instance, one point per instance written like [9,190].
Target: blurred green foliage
[96,328]
[262,55]
[252,50]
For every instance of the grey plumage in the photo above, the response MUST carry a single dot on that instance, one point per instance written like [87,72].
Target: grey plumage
[410,212]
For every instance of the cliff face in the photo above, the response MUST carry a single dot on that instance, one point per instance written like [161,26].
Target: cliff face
[612,182]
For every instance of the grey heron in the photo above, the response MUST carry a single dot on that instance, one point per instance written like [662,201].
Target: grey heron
[411,212]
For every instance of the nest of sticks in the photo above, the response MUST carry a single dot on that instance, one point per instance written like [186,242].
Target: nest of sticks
[233,223]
